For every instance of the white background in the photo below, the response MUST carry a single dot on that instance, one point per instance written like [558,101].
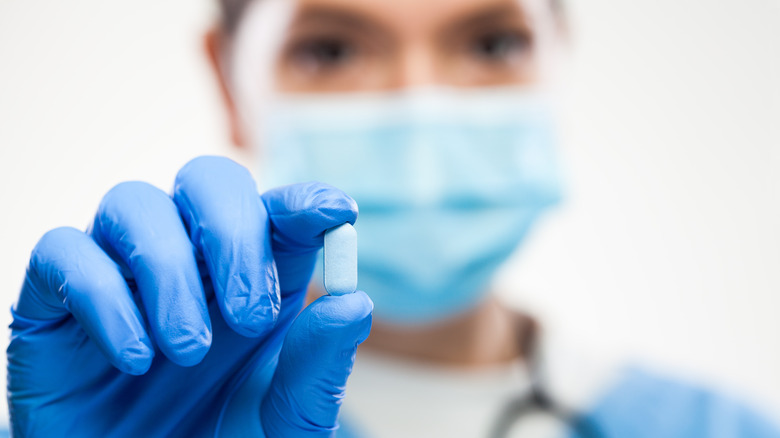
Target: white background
[668,250]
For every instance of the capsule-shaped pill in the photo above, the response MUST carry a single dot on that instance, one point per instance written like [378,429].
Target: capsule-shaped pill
[339,260]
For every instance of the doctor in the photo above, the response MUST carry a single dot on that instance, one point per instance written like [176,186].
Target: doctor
[186,314]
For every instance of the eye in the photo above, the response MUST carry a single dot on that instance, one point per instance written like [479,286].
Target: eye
[500,46]
[323,53]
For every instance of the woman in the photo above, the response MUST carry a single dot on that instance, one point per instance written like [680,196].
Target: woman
[181,315]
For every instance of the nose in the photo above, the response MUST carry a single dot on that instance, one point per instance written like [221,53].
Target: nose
[417,66]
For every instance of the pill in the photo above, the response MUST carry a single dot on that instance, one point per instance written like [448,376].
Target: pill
[339,260]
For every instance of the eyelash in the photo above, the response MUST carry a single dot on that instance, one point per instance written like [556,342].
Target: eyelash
[498,46]
[324,51]
[329,52]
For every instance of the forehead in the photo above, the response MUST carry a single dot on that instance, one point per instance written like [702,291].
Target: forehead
[420,15]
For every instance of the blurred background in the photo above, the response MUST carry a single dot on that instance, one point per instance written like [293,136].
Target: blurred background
[667,250]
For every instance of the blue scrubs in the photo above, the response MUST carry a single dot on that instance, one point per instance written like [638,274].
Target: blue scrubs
[643,404]
[647,405]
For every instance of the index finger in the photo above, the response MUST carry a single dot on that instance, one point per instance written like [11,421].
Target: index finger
[300,215]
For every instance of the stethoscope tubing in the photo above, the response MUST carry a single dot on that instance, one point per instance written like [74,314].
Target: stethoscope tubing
[538,399]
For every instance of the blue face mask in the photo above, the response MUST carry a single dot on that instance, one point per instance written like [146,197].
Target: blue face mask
[448,184]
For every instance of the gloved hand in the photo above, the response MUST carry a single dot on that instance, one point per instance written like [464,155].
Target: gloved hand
[180,316]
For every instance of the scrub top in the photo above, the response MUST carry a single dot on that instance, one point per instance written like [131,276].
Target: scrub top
[387,397]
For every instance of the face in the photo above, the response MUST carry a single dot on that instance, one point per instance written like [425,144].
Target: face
[437,156]
[369,45]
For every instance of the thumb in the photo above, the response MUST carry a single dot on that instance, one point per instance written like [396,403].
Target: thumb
[316,359]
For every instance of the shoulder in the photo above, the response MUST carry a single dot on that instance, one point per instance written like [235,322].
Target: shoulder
[642,403]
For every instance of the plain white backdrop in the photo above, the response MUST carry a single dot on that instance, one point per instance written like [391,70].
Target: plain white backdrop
[667,251]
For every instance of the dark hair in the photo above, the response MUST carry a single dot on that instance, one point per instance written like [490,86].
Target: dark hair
[232,10]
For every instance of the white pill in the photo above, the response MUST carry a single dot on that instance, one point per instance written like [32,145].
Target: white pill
[339,260]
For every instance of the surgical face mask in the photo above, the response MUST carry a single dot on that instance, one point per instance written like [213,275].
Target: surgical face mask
[448,184]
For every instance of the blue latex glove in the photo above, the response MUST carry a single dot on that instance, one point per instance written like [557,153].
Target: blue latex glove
[180,316]
[646,405]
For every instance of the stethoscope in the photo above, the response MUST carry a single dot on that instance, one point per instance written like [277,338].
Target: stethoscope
[537,400]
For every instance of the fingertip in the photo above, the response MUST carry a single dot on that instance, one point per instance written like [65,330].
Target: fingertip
[189,350]
[251,302]
[252,323]
[349,307]
[364,299]
[135,360]
[331,202]
[363,308]
[347,315]
[253,314]
[301,213]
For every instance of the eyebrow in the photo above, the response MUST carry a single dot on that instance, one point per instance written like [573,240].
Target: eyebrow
[336,17]
[489,15]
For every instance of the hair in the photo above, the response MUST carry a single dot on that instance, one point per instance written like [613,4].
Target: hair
[232,10]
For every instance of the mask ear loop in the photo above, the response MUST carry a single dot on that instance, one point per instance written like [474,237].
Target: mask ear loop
[538,398]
